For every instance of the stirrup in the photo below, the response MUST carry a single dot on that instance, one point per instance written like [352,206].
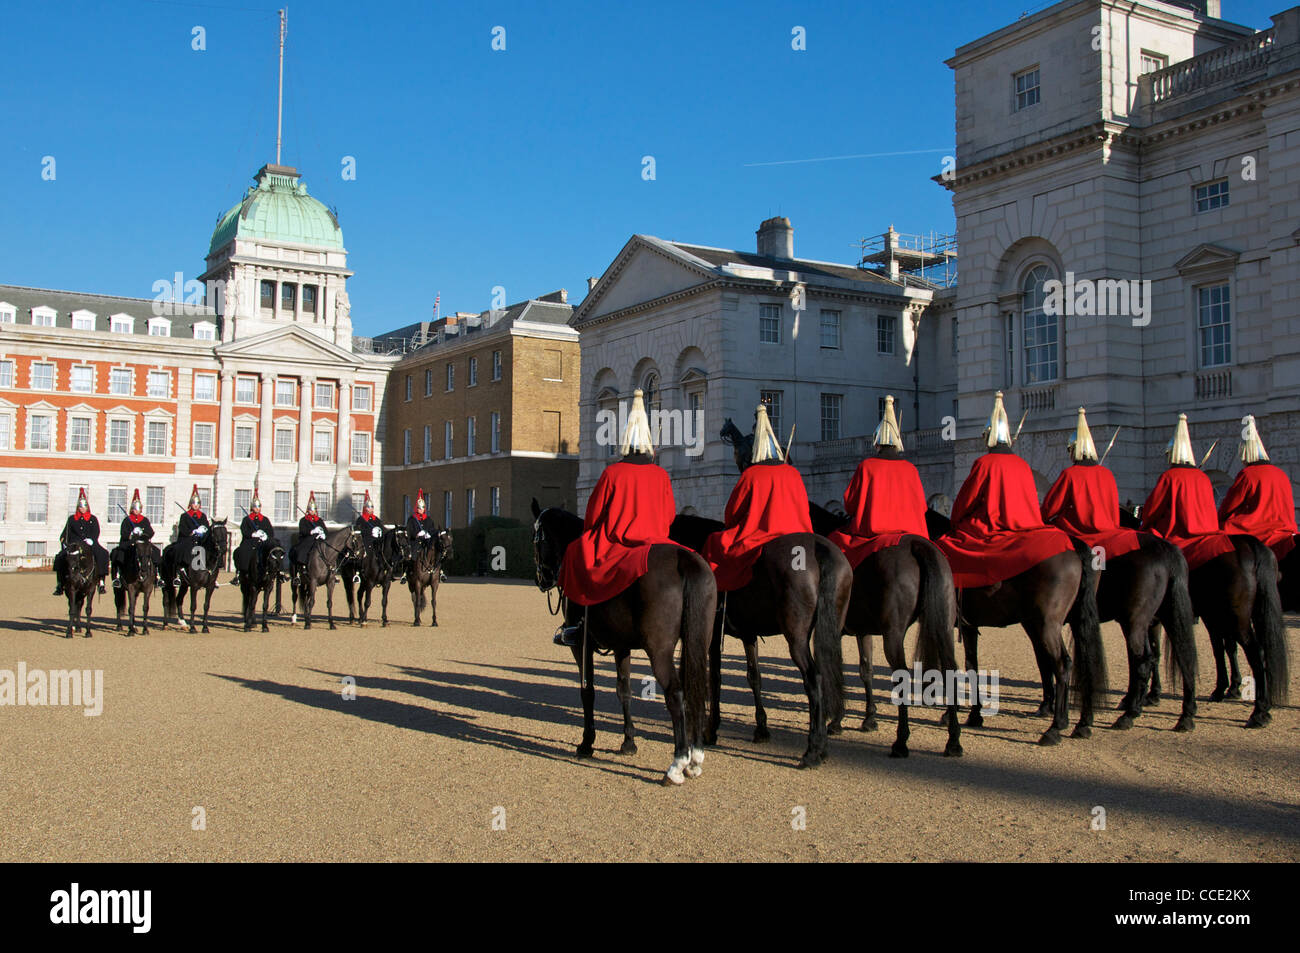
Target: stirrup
[568,635]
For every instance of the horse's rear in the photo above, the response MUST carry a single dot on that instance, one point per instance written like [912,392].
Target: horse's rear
[79,587]
[138,578]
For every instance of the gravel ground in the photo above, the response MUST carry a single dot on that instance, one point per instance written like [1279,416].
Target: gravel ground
[460,731]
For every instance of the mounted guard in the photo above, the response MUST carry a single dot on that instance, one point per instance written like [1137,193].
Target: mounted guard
[81,526]
[135,527]
[1260,502]
[256,539]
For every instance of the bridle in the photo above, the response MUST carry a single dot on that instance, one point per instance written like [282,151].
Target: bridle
[549,582]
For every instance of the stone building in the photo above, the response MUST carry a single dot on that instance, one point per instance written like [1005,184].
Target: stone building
[483,413]
[708,332]
[1130,148]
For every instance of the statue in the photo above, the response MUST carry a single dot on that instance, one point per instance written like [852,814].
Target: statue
[232,296]
[342,307]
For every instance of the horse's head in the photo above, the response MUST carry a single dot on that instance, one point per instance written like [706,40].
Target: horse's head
[443,544]
[553,530]
[742,445]
[398,544]
[353,546]
[220,537]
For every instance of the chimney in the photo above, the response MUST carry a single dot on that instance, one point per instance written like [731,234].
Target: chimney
[591,284]
[776,238]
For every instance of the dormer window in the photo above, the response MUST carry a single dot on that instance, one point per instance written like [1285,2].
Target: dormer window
[160,327]
[1027,89]
[43,317]
[8,313]
[121,324]
[205,331]
[83,320]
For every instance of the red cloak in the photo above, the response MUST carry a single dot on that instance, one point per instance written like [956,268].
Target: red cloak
[769,501]
[997,528]
[1181,509]
[885,502]
[630,510]
[1260,503]
[1084,502]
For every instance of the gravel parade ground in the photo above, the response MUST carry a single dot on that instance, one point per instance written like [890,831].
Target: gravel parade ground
[459,745]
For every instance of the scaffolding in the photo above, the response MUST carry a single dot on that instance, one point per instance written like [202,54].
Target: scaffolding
[928,261]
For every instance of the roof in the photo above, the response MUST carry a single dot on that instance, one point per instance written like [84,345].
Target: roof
[723,257]
[278,208]
[103,307]
[428,334]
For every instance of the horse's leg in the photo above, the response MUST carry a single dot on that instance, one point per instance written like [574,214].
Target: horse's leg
[1139,671]
[1218,650]
[661,661]
[1047,677]
[207,602]
[970,637]
[146,595]
[266,603]
[588,691]
[308,601]
[417,593]
[864,672]
[896,655]
[761,733]
[1153,644]
[1234,681]
[801,653]
[433,596]
[329,601]
[89,603]
[131,596]
[715,681]
[1047,638]
[623,659]
[383,605]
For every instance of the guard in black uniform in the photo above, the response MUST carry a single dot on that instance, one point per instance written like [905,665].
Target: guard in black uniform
[135,525]
[420,526]
[369,524]
[84,526]
[256,537]
[310,528]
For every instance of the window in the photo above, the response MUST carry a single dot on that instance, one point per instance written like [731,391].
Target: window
[325,504]
[286,393]
[160,328]
[1027,92]
[8,313]
[282,445]
[361,449]
[494,497]
[205,387]
[309,300]
[156,438]
[83,320]
[121,324]
[268,295]
[1009,367]
[43,317]
[40,431]
[446,440]
[82,380]
[1214,325]
[121,381]
[38,502]
[496,365]
[830,406]
[831,329]
[205,499]
[1153,61]
[246,390]
[74,494]
[773,400]
[288,294]
[4,500]
[36,547]
[205,331]
[42,377]
[6,432]
[6,373]
[79,435]
[1041,330]
[283,507]
[469,436]
[1210,196]
[358,501]
[408,386]
[361,397]
[451,376]
[116,498]
[769,324]
[406,446]
[154,504]
[446,508]
[325,395]
[204,440]
[322,446]
[428,382]
[160,384]
[886,325]
[469,505]
[473,371]
[244,441]
[496,432]
[243,500]
[119,436]
[428,442]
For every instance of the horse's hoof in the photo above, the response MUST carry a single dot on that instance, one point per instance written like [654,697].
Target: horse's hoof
[206,629]
[1081,731]
[248,628]
[1044,710]
[953,750]
[1050,737]
[1258,719]
[1124,703]
[87,635]
[383,624]
[1234,692]
[943,719]
[1153,698]
[812,759]
[899,750]
[586,751]
[674,776]
[627,747]
[761,735]
[1185,723]
[1123,723]
[694,770]
[1216,695]
[974,720]
[711,738]
[333,626]
[266,628]
[834,729]
[869,724]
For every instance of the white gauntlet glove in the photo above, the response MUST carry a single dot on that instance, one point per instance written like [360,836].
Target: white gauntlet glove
[200,530]
[259,535]
[423,535]
[136,531]
[318,533]
[376,532]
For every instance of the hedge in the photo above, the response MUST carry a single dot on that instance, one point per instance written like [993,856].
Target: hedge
[516,544]
[472,548]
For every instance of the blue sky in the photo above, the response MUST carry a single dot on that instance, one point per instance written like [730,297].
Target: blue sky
[475,168]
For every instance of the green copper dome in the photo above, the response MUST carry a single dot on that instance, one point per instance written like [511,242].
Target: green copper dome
[278,208]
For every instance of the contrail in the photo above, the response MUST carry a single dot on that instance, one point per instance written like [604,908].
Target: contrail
[862,155]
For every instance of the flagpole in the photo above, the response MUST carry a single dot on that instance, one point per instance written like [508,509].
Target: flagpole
[279,102]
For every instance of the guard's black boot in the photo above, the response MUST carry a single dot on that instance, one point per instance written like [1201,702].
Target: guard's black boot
[101,585]
[117,582]
[569,635]
[58,587]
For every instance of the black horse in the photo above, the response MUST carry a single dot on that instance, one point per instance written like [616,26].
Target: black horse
[673,602]
[189,568]
[79,585]
[424,572]
[320,568]
[379,565]
[138,577]
[261,575]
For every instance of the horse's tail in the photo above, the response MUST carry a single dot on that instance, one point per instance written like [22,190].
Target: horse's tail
[119,598]
[1089,675]
[937,609]
[1179,618]
[699,604]
[828,628]
[1269,626]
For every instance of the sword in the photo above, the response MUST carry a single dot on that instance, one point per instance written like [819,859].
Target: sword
[1019,425]
[790,443]
[1108,446]
[1206,459]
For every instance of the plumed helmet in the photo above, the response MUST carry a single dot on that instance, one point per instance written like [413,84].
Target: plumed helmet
[1252,448]
[1081,447]
[1179,448]
[636,435]
[766,446]
[887,433]
[998,432]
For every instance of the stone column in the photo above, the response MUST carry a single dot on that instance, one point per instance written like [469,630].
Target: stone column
[297,303]
[343,456]
[265,427]
[303,469]
[225,434]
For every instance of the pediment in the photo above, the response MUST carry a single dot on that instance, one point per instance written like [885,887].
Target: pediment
[1207,256]
[286,345]
[644,270]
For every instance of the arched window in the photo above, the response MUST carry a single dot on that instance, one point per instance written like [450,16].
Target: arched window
[1041,330]
[653,398]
